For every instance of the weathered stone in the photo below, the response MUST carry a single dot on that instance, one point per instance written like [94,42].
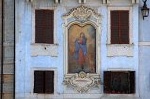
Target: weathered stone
[8,52]
[8,88]
[7,96]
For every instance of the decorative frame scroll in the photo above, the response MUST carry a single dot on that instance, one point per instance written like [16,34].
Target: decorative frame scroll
[82,16]
[82,81]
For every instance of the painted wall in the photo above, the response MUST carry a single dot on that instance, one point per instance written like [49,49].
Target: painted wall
[144,49]
[26,63]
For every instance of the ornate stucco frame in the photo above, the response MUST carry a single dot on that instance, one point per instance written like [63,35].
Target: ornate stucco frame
[82,15]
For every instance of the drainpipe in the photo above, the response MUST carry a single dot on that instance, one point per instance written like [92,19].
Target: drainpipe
[14,48]
[2,39]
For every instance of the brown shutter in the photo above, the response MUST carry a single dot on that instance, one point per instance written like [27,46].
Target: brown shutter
[107,82]
[43,81]
[49,81]
[120,27]
[120,82]
[132,82]
[114,27]
[38,82]
[124,27]
[44,24]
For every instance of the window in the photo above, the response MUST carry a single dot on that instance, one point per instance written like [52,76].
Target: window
[119,26]
[44,82]
[120,31]
[43,32]
[44,26]
[119,82]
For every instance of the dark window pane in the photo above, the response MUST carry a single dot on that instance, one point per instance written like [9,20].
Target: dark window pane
[38,82]
[107,82]
[119,82]
[44,82]
[132,82]
[49,82]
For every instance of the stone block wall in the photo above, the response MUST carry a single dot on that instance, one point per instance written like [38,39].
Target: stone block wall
[8,48]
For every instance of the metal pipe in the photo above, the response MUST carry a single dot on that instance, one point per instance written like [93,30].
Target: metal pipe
[2,50]
[14,47]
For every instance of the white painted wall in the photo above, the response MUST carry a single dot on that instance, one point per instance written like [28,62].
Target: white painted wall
[25,63]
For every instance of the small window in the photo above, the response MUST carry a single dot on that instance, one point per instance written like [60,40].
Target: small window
[119,26]
[44,26]
[44,82]
[119,82]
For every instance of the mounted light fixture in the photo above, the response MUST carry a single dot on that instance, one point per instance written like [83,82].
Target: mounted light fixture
[145,9]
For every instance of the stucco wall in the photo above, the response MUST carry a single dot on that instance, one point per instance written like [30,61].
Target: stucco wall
[25,63]
[144,49]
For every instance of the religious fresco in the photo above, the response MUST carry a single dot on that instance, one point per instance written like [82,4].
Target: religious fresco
[81,49]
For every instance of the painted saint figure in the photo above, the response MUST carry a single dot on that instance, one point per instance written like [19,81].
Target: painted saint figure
[80,53]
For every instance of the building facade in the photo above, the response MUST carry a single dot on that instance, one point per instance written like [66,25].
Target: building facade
[7,49]
[81,49]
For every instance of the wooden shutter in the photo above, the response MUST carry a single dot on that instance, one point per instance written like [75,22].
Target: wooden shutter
[39,82]
[43,81]
[49,81]
[107,81]
[119,82]
[44,24]
[119,27]
[132,82]
[114,27]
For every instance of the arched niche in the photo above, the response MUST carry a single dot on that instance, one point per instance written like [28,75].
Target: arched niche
[82,32]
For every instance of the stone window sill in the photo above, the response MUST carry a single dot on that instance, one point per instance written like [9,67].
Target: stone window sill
[120,50]
[39,49]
